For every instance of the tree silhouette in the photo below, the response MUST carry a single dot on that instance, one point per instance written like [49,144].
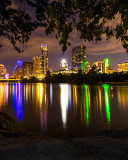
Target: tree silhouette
[88,17]
[15,24]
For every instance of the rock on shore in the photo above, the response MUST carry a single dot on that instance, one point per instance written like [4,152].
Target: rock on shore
[17,144]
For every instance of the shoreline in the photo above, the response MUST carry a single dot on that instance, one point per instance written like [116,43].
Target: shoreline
[16,143]
[99,83]
[114,83]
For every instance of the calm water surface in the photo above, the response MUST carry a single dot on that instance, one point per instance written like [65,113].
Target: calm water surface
[63,110]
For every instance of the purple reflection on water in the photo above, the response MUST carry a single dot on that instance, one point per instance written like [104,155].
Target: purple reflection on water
[18,100]
[69,96]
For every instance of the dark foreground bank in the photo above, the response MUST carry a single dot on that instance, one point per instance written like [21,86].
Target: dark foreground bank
[17,144]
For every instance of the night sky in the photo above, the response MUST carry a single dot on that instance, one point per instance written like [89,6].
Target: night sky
[111,49]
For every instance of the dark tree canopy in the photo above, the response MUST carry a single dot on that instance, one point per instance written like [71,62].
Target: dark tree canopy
[15,24]
[88,17]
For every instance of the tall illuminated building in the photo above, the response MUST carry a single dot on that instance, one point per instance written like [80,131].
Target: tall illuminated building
[44,58]
[27,69]
[3,70]
[37,65]
[107,65]
[79,58]
[63,65]
[18,71]
[37,68]
[22,69]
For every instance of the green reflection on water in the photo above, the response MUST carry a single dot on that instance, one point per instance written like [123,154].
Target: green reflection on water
[107,105]
[87,104]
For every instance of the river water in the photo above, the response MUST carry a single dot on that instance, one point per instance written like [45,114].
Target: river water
[63,110]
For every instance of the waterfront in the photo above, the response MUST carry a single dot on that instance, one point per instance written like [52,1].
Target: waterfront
[63,110]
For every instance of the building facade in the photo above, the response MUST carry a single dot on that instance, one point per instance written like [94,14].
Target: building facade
[18,71]
[64,72]
[79,58]
[37,65]
[122,67]
[89,65]
[22,69]
[44,58]
[37,68]
[111,71]
[63,65]
[27,69]
[107,65]
[101,66]
[3,71]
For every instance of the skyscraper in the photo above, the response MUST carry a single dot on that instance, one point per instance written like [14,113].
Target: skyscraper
[37,72]
[18,69]
[3,70]
[24,69]
[37,65]
[44,58]
[27,69]
[107,65]
[63,65]
[79,58]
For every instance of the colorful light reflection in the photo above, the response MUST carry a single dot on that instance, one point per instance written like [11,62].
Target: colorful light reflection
[107,105]
[18,100]
[6,76]
[1,95]
[87,104]
[64,103]
[42,100]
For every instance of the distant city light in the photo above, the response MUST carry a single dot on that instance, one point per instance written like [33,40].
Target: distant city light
[87,104]
[107,103]
[63,61]
[6,76]
[63,64]
[20,63]
[107,62]
[43,45]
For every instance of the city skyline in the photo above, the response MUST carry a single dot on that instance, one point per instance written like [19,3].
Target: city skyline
[55,58]
[114,58]
[111,49]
